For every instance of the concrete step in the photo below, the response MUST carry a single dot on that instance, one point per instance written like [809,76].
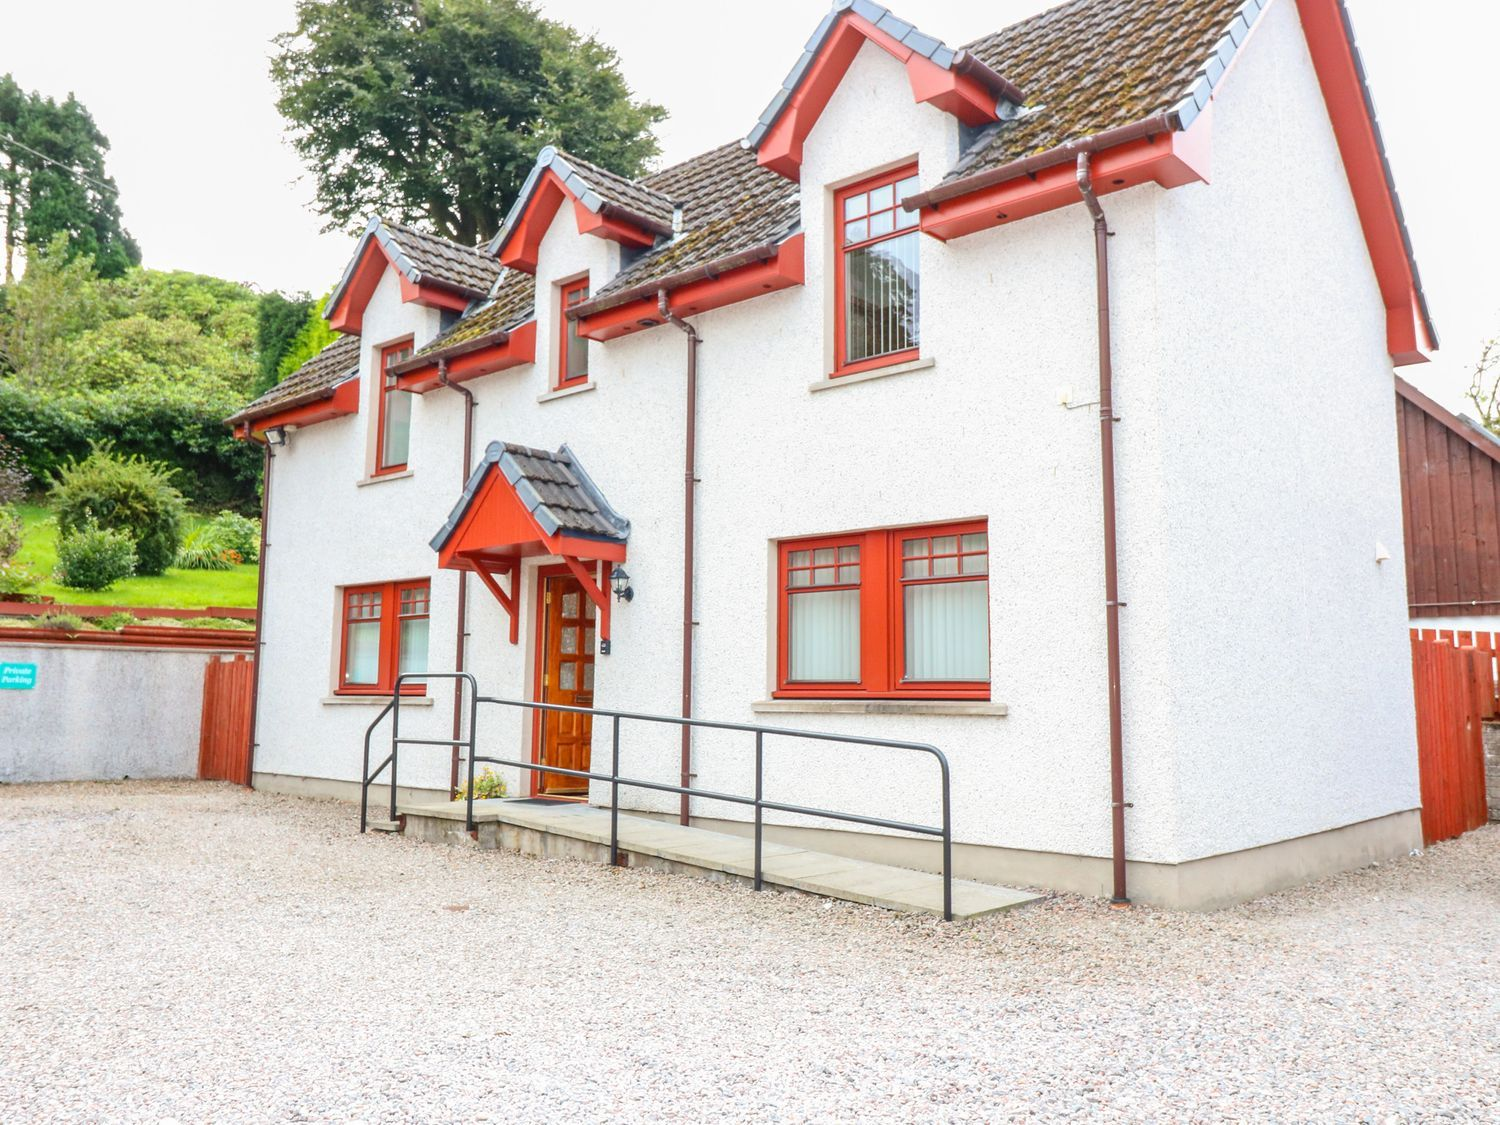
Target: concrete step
[383,825]
[582,832]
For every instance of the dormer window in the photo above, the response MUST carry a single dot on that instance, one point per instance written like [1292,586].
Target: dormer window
[572,349]
[877,273]
[393,424]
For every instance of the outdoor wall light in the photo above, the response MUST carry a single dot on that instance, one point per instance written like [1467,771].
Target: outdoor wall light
[276,436]
[621,582]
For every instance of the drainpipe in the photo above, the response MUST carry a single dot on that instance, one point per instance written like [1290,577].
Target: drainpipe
[689,504]
[1107,420]
[260,611]
[461,629]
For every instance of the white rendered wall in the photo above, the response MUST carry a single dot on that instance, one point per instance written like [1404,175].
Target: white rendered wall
[1007,318]
[1285,666]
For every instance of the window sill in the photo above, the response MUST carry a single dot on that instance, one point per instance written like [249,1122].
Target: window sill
[833,381]
[374,700]
[565,392]
[381,478]
[879,707]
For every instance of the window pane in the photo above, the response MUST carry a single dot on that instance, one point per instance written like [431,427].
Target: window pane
[824,641]
[883,223]
[570,640]
[976,541]
[848,554]
[848,574]
[945,566]
[882,197]
[914,568]
[907,219]
[588,677]
[976,564]
[567,676]
[945,545]
[362,653]
[947,631]
[823,556]
[799,578]
[395,443]
[856,206]
[856,232]
[798,558]
[906,187]
[578,353]
[910,548]
[413,654]
[880,298]
[570,604]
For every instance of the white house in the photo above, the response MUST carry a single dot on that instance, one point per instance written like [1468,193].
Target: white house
[841,380]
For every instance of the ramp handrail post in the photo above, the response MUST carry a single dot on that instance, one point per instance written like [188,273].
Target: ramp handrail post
[614,795]
[395,740]
[947,842]
[760,812]
[469,825]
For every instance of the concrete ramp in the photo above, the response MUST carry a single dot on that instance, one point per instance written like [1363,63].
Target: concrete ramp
[579,831]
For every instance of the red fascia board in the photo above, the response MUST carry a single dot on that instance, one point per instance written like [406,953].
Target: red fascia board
[342,400]
[1343,92]
[348,315]
[523,243]
[959,93]
[786,269]
[513,349]
[1170,159]
[434,295]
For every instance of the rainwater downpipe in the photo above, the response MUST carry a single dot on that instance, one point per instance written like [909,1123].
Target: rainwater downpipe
[260,612]
[461,630]
[689,505]
[1107,420]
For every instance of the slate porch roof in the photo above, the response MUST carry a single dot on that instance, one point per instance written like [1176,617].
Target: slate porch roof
[554,487]
[314,380]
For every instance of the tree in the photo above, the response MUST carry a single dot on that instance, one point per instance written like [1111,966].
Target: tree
[1484,387]
[433,110]
[54,181]
[279,320]
[313,337]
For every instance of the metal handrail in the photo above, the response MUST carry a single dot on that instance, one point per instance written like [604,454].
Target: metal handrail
[615,780]
[393,708]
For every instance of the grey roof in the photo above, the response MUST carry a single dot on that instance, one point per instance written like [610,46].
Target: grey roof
[508,305]
[316,379]
[554,487]
[597,189]
[898,29]
[423,257]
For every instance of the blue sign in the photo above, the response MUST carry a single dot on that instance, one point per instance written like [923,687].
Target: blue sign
[17,677]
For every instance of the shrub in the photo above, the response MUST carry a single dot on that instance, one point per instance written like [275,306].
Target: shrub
[126,494]
[199,552]
[237,533]
[16,581]
[94,558]
[10,533]
[487,784]
[114,621]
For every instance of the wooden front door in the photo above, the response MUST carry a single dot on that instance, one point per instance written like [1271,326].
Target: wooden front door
[567,667]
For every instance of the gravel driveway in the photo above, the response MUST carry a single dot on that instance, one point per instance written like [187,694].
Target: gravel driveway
[193,951]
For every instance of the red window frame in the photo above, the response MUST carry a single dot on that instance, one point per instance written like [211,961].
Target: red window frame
[392,602]
[390,354]
[569,293]
[882,624]
[842,366]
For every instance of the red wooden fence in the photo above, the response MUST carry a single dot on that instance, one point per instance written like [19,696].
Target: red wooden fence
[1455,691]
[224,738]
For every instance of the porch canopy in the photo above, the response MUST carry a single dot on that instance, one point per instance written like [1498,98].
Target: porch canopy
[520,503]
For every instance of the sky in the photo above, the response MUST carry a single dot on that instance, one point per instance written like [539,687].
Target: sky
[207,182]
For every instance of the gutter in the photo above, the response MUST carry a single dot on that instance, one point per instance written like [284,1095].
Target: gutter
[1030,165]
[461,628]
[453,351]
[1107,420]
[708,272]
[306,398]
[689,513]
[260,612]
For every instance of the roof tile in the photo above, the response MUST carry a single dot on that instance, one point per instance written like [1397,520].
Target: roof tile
[323,372]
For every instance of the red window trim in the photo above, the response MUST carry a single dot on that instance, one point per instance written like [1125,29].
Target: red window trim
[390,620]
[840,343]
[882,641]
[579,285]
[383,391]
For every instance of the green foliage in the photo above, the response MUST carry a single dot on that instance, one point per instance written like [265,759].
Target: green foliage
[124,493]
[10,533]
[237,533]
[54,183]
[151,363]
[434,110]
[14,479]
[17,581]
[114,621]
[94,558]
[313,337]
[279,321]
[487,784]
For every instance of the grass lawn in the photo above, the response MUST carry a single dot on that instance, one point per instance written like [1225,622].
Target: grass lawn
[176,589]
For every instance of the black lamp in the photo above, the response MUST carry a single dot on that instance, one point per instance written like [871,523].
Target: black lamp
[621,582]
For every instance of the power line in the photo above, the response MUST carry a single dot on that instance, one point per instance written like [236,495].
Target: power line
[50,160]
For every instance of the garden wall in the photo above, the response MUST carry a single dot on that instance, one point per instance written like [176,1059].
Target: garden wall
[101,711]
